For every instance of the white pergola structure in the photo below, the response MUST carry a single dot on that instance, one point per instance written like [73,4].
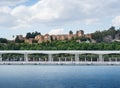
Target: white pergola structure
[51,52]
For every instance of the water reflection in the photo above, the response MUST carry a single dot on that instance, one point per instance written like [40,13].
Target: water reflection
[38,76]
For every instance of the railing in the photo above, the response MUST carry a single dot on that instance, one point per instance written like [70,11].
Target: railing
[57,63]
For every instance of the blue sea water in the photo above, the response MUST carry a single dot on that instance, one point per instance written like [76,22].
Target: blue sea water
[45,76]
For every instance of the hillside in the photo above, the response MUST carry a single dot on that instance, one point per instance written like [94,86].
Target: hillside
[103,40]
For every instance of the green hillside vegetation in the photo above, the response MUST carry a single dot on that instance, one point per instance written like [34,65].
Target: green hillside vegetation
[66,44]
[99,35]
[61,45]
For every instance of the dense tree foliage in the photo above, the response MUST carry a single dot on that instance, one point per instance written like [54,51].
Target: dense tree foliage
[70,32]
[99,35]
[83,38]
[17,40]
[3,40]
[32,35]
[61,45]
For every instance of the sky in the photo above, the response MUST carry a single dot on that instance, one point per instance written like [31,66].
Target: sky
[57,16]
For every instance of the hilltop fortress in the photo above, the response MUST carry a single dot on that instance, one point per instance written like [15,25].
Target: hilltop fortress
[45,38]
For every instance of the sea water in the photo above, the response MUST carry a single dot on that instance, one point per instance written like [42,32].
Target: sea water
[59,76]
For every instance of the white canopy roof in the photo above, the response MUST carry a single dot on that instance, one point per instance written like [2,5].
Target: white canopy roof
[59,51]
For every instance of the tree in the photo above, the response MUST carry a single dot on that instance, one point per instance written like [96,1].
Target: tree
[17,40]
[3,40]
[83,38]
[97,36]
[112,31]
[28,35]
[70,32]
[32,35]
[13,36]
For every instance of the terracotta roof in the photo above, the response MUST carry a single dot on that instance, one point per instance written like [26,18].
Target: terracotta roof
[46,34]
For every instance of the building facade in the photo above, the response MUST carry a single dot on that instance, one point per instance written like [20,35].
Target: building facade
[49,38]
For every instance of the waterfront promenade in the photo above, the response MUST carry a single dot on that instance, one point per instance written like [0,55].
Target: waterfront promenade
[59,63]
[100,60]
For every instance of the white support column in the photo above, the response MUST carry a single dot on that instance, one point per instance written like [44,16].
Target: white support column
[20,59]
[39,59]
[65,59]
[71,60]
[116,59]
[45,59]
[50,57]
[59,59]
[0,57]
[109,59]
[77,57]
[85,59]
[91,59]
[25,57]
[100,57]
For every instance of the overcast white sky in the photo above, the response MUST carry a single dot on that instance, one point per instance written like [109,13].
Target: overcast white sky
[57,16]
